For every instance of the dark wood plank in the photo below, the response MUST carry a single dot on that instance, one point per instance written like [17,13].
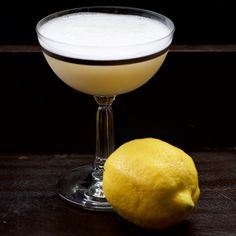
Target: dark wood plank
[189,103]
[29,205]
[173,48]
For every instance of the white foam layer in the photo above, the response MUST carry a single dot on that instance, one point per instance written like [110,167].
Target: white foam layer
[102,36]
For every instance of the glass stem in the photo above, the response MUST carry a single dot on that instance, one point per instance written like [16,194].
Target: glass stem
[104,134]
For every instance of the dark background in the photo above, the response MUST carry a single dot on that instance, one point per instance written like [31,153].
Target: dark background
[190,102]
[197,22]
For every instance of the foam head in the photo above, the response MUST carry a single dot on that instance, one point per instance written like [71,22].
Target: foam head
[104,36]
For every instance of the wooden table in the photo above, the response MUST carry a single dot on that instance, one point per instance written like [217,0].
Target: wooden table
[30,206]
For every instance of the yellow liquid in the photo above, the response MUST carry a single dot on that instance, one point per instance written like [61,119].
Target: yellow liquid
[105,80]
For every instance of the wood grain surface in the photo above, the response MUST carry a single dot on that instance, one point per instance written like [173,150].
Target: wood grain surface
[30,206]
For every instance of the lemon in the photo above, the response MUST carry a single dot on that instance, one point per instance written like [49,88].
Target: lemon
[151,183]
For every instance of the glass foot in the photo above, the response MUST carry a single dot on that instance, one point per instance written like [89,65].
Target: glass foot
[79,188]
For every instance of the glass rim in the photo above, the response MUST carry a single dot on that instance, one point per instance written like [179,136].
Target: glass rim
[149,13]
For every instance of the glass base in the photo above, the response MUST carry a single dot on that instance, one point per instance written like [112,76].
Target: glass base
[81,189]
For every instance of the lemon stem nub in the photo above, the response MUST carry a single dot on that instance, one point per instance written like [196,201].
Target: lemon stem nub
[185,198]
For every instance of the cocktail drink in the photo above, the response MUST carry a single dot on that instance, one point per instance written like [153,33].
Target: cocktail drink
[104,52]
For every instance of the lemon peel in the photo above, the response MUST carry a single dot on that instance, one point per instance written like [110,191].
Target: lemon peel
[151,183]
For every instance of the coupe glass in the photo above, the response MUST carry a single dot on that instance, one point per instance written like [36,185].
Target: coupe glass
[120,69]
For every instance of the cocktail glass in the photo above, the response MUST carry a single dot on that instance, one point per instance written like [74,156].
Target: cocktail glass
[104,70]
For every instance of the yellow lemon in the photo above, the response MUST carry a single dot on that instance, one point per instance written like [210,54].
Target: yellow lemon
[151,183]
